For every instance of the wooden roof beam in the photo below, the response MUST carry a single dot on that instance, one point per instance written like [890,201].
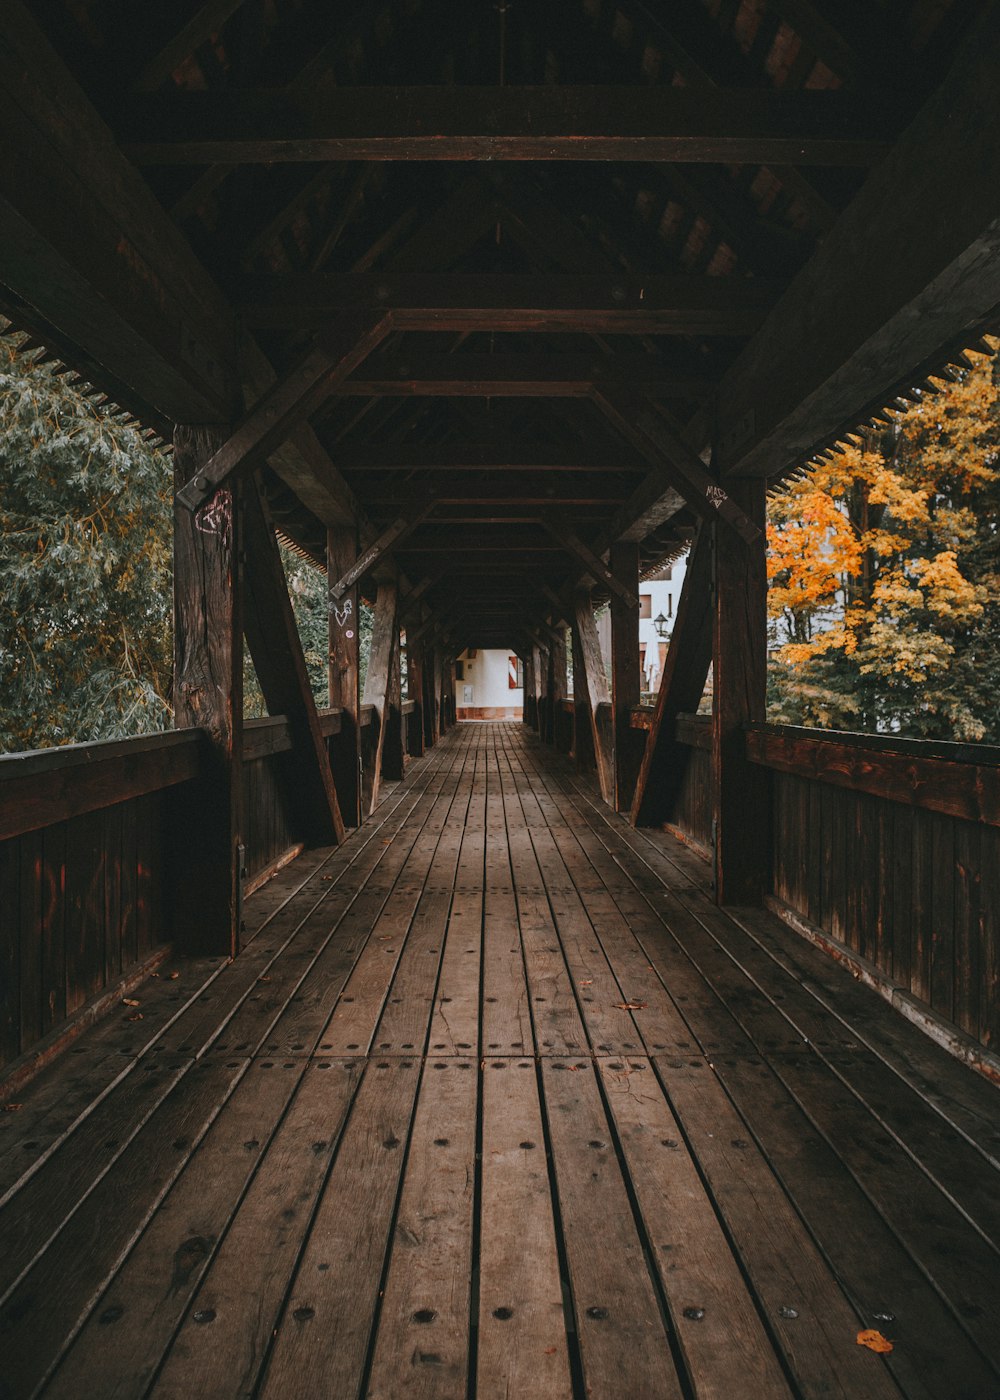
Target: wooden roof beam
[89,249]
[912,264]
[489,457]
[676,304]
[495,376]
[731,126]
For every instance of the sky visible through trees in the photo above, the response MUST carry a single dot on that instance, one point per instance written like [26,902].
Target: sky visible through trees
[884,568]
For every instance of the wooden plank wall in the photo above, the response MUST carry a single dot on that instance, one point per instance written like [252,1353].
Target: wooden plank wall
[692,814]
[82,904]
[915,892]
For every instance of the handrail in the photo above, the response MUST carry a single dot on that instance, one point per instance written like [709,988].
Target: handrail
[641,716]
[694,730]
[899,770]
[272,734]
[330,721]
[45,786]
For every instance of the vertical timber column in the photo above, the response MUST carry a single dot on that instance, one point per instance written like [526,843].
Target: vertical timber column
[436,687]
[415,692]
[537,678]
[591,692]
[583,743]
[528,705]
[558,685]
[739,660]
[208,694]
[393,761]
[625,689]
[427,695]
[382,688]
[345,674]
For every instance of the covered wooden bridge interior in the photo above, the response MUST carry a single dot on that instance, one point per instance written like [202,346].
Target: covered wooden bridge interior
[355,1052]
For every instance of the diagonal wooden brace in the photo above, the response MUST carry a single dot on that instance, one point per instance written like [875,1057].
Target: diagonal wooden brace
[668,453]
[595,566]
[291,400]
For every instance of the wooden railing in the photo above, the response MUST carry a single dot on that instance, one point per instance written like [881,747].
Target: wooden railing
[87,872]
[891,848]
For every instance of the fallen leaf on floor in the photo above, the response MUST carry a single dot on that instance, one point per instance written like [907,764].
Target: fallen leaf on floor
[265,977]
[587,982]
[12,1107]
[326,877]
[174,976]
[550,1351]
[630,1005]
[874,1341]
[136,1017]
[129,1001]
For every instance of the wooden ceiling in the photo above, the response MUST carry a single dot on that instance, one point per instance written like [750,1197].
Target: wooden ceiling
[577,218]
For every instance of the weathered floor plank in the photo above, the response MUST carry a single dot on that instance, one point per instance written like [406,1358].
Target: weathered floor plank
[495,1103]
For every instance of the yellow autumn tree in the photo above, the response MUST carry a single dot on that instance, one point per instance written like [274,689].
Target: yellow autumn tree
[884,569]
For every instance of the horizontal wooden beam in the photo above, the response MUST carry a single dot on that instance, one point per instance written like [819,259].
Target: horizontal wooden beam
[459,491]
[55,785]
[878,302]
[662,123]
[490,457]
[498,376]
[961,789]
[88,251]
[675,304]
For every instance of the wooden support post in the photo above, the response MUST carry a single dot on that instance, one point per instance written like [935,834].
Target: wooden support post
[437,686]
[590,690]
[382,687]
[625,688]
[208,693]
[739,659]
[558,687]
[415,692]
[539,667]
[345,674]
[273,638]
[427,696]
[528,704]
[681,688]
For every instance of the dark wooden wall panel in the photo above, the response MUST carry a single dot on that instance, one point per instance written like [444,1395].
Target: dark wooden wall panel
[911,890]
[270,828]
[82,903]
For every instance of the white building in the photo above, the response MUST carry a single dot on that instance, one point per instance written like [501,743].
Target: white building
[488,685]
[658,599]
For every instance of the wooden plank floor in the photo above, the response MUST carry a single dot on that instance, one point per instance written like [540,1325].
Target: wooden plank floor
[497,1104]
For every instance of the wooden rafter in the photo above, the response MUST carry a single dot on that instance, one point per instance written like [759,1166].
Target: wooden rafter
[734,127]
[676,304]
[884,313]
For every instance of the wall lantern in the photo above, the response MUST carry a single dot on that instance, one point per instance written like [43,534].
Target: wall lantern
[660,623]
